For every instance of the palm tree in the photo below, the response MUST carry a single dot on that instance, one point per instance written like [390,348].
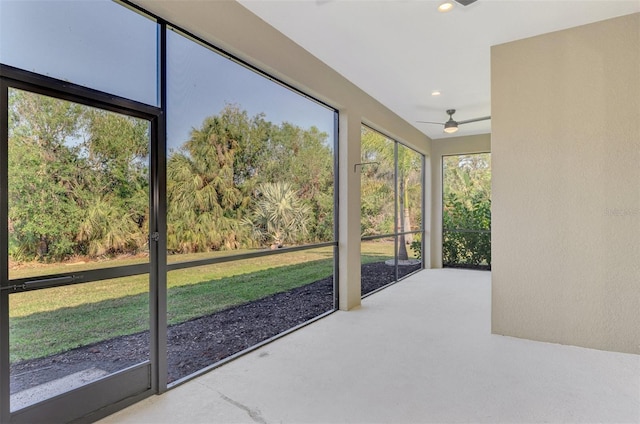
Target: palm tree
[108,229]
[409,166]
[405,163]
[279,216]
[205,202]
[199,214]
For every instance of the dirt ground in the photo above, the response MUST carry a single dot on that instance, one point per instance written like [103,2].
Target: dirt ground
[195,344]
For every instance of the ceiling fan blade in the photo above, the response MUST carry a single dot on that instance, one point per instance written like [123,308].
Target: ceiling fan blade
[429,122]
[484,118]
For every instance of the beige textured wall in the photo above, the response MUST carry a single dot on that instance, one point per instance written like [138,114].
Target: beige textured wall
[446,147]
[566,186]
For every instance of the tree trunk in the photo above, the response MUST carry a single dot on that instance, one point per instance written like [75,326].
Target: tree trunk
[407,220]
[402,248]
[402,242]
[43,248]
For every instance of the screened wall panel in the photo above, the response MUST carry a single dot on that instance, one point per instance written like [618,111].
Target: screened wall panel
[250,173]
[377,263]
[77,280]
[391,214]
[96,43]
[219,310]
[410,201]
[466,211]
[238,145]
[66,337]
[78,186]
[377,184]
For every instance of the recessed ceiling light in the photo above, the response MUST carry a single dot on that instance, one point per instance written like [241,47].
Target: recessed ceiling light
[435,93]
[445,7]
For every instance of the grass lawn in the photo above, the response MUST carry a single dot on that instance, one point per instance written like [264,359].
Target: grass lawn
[48,321]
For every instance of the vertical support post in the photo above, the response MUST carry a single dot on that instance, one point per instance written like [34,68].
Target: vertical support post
[4,260]
[349,213]
[159,224]
[336,209]
[436,209]
[396,220]
[426,213]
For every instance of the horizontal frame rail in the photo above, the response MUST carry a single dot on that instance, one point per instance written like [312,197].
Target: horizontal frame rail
[65,279]
[229,258]
[381,236]
[465,231]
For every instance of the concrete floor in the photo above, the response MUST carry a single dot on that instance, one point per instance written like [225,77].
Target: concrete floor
[420,351]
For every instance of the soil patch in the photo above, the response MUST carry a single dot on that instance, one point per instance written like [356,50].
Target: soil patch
[198,343]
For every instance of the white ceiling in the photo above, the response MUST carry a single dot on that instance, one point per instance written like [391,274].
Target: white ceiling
[399,51]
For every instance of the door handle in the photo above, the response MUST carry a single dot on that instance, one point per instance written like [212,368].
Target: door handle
[34,284]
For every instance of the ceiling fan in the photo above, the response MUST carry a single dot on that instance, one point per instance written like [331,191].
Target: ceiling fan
[451,126]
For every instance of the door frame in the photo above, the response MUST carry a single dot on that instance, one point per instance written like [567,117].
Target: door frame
[66,407]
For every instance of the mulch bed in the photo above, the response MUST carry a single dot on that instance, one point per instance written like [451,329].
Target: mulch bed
[468,266]
[198,343]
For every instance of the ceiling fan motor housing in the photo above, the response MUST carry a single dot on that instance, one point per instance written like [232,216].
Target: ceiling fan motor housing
[465,2]
[450,126]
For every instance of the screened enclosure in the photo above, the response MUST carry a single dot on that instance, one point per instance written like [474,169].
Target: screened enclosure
[168,208]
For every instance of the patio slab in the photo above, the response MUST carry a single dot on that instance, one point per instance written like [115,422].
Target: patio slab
[420,351]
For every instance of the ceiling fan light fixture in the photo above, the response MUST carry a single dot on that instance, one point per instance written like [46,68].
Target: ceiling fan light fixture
[450,126]
[445,7]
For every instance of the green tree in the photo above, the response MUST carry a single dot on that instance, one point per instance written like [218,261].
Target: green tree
[45,176]
[304,159]
[117,208]
[467,176]
[208,187]
[213,180]
[78,179]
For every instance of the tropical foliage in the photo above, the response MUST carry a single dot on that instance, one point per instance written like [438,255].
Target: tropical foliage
[467,210]
[378,193]
[228,184]
[79,182]
[280,216]
[77,179]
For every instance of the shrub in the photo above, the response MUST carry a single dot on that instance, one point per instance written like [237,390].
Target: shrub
[416,247]
[466,232]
